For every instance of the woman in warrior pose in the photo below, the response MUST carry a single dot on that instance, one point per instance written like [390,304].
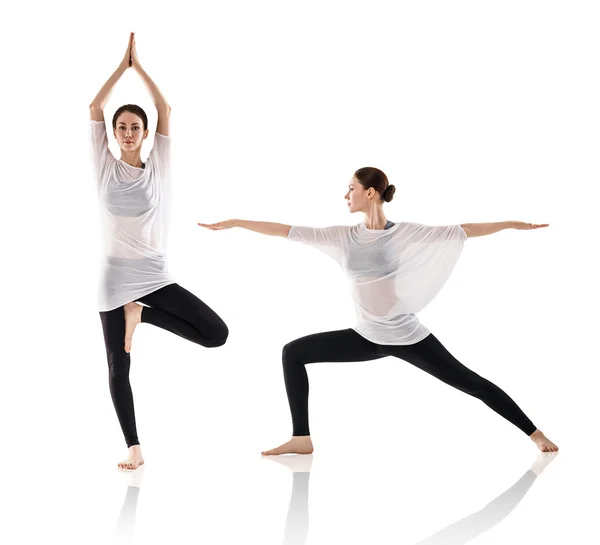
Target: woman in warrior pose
[395,270]
[134,211]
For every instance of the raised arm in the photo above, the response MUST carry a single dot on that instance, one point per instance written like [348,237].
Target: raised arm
[99,102]
[262,227]
[332,241]
[160,102]
[482,229]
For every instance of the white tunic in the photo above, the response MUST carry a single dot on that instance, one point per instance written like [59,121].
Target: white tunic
[134,217]
[393,273]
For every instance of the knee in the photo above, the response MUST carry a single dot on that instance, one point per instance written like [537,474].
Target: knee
[475,386]
[290,354]
[118,364]
[219,337]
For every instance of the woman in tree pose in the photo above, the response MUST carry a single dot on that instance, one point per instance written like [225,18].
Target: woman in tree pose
[395,270]
[134,211]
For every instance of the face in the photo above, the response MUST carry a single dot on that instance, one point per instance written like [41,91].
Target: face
[358,197]
[130,131]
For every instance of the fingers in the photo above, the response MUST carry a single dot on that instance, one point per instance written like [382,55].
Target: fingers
[128,53]
[533,225]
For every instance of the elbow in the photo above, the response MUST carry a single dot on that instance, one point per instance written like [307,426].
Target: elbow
[164,109]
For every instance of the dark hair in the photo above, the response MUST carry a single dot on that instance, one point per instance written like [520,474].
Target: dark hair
[131,108]
[375,178]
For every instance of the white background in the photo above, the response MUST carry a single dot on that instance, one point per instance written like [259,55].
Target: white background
[477,111]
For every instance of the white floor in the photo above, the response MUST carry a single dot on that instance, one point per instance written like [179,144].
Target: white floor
[423,494]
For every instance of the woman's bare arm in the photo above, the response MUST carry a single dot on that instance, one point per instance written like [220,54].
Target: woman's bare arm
[99,102]
[482,229]
[262,227]
[160,102]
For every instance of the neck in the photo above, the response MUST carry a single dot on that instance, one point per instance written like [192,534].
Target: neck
[375,219]
[132,158]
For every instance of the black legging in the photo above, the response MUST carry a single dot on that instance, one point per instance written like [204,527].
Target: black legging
[429,355]
[172,308]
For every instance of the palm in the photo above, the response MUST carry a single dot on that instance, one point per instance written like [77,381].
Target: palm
[134,57]
[521,225]
[127,57]
[228,224]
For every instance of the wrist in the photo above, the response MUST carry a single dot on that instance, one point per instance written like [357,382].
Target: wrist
[510,224]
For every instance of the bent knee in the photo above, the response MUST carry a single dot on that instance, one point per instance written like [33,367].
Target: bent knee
[291,354]
[219,337]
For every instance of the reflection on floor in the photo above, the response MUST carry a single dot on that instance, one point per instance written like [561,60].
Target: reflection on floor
[296,525]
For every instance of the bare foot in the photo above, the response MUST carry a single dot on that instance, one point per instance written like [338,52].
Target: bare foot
[543,443]
[298,444]
[134,460]
[133,316]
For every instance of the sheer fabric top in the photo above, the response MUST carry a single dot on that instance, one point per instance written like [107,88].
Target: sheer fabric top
[134,219]
[393,273]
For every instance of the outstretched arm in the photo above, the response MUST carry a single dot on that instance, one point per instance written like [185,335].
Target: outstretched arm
[262,227]
[160,102]
[482,229]
[99,102]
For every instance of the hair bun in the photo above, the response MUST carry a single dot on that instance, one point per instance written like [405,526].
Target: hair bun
[388,194]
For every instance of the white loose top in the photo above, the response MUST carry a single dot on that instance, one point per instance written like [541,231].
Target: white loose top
[393,273]
[134,217]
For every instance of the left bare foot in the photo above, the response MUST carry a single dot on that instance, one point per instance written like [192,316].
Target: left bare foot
[134,460]
[543,443]
[133,316]
[298,444]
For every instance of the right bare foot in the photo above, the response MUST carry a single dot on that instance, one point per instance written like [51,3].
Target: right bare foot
[543,443]
[134,460]
[133,316]
[298,444]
